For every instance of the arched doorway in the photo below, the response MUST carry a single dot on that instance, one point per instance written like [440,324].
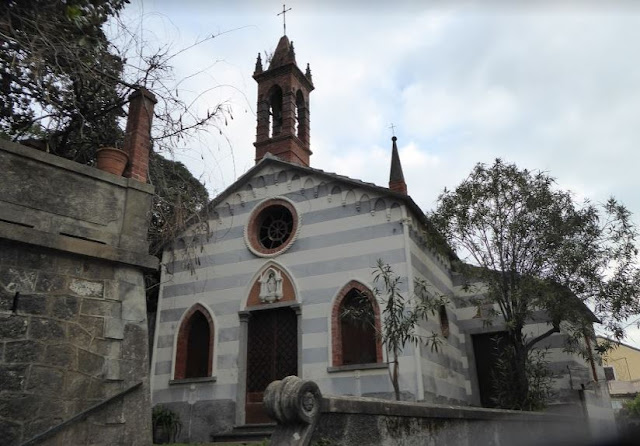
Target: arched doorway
[270,327]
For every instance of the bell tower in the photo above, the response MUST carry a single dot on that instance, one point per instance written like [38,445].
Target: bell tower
[283,106]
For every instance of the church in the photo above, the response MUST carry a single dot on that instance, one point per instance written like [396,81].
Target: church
[255,290]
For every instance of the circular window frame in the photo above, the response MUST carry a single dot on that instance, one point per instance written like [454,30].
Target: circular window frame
[252,229]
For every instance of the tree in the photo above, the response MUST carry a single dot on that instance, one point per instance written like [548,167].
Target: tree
[400,316]
[532,247]
[66,84]
[61,78]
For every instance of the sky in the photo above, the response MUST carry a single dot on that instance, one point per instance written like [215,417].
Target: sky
[552,86]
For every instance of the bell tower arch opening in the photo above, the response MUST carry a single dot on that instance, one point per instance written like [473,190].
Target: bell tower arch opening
[275,111]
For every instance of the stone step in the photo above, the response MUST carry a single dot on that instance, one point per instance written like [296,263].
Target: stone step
[248,433]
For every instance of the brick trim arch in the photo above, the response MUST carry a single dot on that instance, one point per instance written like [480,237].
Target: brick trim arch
[336,326]
[288,290]
[182,343]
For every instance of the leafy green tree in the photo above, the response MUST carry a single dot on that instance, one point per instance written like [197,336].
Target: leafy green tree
[61,77]
[631,409]
[532,247]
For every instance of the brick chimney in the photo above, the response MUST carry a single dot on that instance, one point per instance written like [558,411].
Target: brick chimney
[137,137]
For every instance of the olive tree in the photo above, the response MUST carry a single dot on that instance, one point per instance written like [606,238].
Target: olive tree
[533,247]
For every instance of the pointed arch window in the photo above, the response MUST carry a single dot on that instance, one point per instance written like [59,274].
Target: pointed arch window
[355,322]
[194,354]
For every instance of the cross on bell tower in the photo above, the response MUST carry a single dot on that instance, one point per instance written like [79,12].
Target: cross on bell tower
[283,106]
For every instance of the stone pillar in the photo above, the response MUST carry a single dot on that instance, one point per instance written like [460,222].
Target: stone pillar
[137,138]
[241,388]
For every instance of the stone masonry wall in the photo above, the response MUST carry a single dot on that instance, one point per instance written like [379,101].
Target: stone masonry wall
[72,333]
[73,323]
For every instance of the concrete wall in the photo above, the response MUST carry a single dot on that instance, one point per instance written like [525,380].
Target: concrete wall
[73,328]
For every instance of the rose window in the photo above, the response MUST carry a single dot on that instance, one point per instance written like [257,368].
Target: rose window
[272,227]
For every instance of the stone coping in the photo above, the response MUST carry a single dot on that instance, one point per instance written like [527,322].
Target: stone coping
[82,169]
[353,367]
[82,247]
[202,379]
[374,406]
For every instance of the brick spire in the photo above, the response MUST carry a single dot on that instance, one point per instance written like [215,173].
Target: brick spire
[396,177]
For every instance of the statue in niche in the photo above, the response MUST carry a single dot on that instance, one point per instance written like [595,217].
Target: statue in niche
[270,286]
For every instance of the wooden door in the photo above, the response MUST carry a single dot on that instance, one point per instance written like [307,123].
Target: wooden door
[272,353]
[486,348]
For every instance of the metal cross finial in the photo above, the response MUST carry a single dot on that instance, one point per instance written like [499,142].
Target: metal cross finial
[284,17]
[393,129]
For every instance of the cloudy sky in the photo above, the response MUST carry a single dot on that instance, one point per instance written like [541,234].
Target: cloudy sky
[554,87]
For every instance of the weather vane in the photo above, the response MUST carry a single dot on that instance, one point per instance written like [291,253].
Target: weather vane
[393,129]
[284,17]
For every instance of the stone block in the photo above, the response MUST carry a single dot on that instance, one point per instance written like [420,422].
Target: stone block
[129,275]
[114,328]
[76,386]
[112,369]
[112,413]
[93,325]
[76,434]
[12,377]
[61,355]
[46,330]
[32,304]
[137,407]
[108,348]
[13,327]
[106,435]
[10,433]
[8,253]
[23,352]
[53,406]
[96,270]
[51,283]
[134,304]
[40,425]
[132,371]
[15,279]
[19,408]
[97,390]
[65,307]
[79,337]
[90,363]
[6,299]
[87,288]
[211,417]
[45,380]
[134,344]
[111,290]
[94,307]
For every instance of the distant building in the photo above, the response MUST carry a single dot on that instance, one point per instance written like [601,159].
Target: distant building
[622,370]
